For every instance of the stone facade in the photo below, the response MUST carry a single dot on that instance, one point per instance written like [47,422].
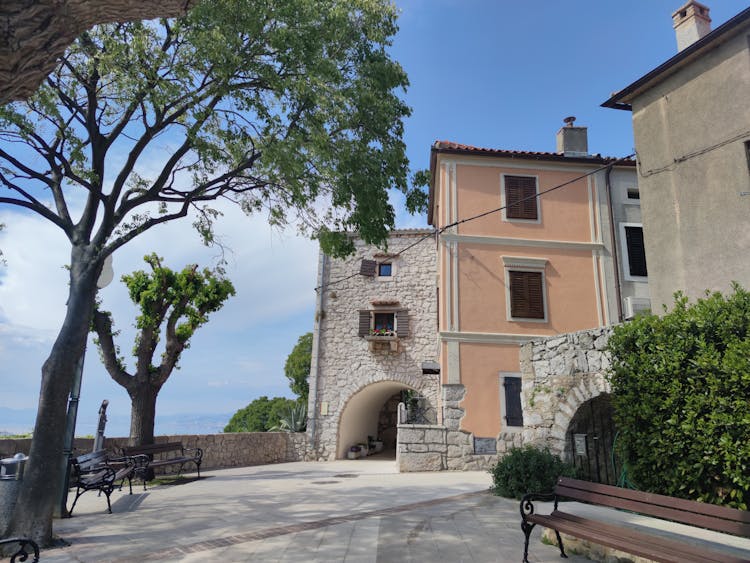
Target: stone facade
[559,375]
[220,451]
[352,377]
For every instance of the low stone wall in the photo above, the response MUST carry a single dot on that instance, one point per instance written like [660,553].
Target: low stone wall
[220,451]
[421,447]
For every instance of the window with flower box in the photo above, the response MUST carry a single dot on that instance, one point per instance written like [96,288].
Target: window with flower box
[376,325]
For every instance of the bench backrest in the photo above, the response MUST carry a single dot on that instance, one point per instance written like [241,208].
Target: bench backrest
[700,514]
[151,449]
[87,461]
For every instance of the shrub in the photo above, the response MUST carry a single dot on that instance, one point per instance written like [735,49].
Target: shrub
[528,470]
[680,386]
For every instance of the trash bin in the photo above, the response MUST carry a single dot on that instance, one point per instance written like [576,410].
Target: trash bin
[11,475]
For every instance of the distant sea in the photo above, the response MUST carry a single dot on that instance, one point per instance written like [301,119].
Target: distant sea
[21,421]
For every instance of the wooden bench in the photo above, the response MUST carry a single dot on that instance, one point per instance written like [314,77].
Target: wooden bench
[165,454]
[22,554]
[99,471]
[627,539]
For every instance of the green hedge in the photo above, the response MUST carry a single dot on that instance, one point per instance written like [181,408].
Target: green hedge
[528,470]
[681,396]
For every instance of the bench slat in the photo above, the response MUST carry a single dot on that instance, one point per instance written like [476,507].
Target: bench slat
[723,512]
[687,549]
[712,517]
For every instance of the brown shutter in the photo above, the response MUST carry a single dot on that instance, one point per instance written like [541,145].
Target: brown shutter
[636,251]
[520,200]
[367,268]
[526,295]
[364,323]
[402,323]
[514,414]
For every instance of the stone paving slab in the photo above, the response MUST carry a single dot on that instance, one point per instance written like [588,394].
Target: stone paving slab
[352,511]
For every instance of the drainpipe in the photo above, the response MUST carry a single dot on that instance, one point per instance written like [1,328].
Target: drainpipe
[615,259]
[312,402]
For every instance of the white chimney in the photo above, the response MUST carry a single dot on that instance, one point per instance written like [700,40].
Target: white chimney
[690,22]
[572,140]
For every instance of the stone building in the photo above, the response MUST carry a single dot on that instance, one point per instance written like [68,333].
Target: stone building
[374,344]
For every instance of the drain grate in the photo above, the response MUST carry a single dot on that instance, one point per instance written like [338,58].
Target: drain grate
[346,476]
[324,482]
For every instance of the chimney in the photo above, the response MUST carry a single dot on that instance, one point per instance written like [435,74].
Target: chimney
[572,140]
[691,22]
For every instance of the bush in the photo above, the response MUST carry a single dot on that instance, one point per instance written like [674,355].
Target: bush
[528,470]
[261,415]
[680,394]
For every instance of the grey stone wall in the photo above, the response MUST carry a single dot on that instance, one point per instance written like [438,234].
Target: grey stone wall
[560,374]
[346,363]
[220,451]
[421,447]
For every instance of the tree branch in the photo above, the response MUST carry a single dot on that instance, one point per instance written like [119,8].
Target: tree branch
[103,326]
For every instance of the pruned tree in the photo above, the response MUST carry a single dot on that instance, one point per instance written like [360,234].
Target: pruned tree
[172,305]
[291,106]
[297,366]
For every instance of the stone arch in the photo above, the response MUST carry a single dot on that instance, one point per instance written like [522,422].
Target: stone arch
[361,411]
[586,389]
[590,439]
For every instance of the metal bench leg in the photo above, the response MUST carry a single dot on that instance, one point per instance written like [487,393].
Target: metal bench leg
[78,494]
[108,491]
[560,545]
[526,527]
[199,469]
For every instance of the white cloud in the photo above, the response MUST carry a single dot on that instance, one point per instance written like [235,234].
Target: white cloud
[236,357]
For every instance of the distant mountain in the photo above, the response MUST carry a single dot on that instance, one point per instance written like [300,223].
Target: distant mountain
[21,421]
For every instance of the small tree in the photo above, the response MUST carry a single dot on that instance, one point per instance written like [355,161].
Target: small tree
[173,305]
[261,415]
[297,366]
[680,385]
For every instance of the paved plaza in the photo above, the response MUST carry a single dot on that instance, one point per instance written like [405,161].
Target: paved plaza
[353,511]
[362,510]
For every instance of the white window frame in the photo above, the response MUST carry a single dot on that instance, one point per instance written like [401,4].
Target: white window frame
[503,406]
[636,200]
[525,264]
[384,312]
[625,256]
[505,218]
[386,278]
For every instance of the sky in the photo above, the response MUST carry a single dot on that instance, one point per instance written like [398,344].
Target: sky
[488,73]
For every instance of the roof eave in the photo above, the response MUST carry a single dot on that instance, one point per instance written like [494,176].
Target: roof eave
[624,98]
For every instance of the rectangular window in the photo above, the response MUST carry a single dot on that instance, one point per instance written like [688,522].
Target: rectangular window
[520,198]
[526,295]
[513,411]
[385,270]
[636,251]
[384,321]
[634,193]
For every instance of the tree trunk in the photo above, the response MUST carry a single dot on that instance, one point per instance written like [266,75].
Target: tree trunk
[142,414]
[32,515]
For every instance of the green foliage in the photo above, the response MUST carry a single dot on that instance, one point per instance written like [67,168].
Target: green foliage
[278,105]
[294,420]
[183,298]
[528,470]
[681,385]
[261,415]
[297,366]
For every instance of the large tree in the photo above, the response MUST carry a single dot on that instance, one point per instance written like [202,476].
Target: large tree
[283,105]
[171,303]
[297,366]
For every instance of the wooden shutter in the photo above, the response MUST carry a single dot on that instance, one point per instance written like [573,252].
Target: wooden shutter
[368,267]
[636,251]
[402,323]
[526,295]
[514,412]
[520,200]
[364,323]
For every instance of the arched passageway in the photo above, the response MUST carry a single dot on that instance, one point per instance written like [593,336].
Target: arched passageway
[372,411]
[589,440]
